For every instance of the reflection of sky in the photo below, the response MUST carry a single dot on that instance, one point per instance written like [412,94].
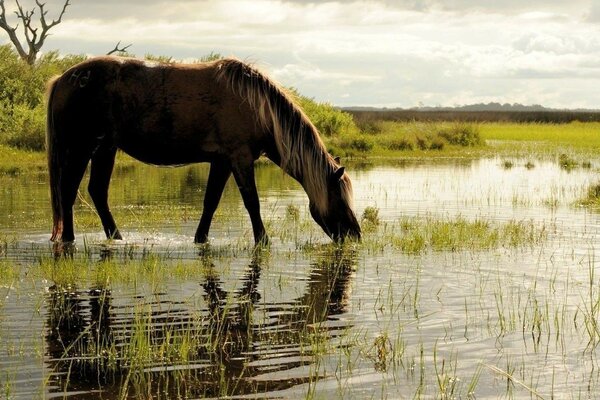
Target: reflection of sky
[481,188]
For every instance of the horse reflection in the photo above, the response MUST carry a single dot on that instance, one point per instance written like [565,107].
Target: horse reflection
[242,345]
[77,336]
[244,350]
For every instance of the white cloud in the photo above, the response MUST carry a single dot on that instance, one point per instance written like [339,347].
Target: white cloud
[368,52]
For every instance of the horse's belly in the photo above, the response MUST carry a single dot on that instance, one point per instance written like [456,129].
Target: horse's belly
[167,152]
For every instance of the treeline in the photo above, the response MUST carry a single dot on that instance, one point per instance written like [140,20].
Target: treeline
[554,117]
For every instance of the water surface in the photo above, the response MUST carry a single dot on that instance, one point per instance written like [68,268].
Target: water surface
[305,318]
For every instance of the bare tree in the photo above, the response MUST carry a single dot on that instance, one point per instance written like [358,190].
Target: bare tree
[34,36]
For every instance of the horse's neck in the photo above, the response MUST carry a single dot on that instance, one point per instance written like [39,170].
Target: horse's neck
[313,178]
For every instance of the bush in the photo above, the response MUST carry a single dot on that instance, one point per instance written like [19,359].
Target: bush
[361,144]
[22,91]
[29,128]
[330,121]
[461,134]
[399,144]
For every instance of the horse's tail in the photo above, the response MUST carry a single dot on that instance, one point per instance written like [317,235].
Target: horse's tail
[54,167]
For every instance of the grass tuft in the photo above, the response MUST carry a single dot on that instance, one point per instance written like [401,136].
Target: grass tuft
[418,235]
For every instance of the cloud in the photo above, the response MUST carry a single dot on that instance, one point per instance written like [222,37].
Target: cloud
[381,52]
[594,12]
[463,6]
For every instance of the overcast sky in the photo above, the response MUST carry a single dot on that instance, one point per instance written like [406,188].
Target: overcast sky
[374,53]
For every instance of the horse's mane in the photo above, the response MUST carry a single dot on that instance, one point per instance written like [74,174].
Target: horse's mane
[303,154]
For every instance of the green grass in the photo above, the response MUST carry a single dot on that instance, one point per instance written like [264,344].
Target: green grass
[15,161]
[400,139]
[420,235]
[572,144]
[592,197]
[575,141]
[575,134]
[389,139]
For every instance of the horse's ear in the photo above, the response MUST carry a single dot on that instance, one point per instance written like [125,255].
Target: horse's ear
[337,160]
[337,175]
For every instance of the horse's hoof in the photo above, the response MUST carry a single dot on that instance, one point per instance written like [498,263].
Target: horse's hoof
[63,249]
[263,241]
[203,239]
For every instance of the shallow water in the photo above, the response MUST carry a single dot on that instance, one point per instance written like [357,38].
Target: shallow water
[305,318]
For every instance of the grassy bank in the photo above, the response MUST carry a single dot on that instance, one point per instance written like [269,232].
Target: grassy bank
[394,140]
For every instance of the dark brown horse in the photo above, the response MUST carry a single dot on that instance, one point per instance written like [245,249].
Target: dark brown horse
[224,112]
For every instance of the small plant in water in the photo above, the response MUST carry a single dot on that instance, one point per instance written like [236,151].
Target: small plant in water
[592,198]
[566,162]
[507,164]
[529,165]
[370,219]
[292,212]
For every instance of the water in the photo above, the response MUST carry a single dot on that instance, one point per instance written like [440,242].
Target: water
[304,318]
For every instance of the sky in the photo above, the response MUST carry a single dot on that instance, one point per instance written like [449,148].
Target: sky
[381,53]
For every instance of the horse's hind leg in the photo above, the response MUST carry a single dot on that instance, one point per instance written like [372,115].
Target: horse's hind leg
[217,178]
[103,161]
[244,177]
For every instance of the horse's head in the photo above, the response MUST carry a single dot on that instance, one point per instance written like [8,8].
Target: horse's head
[338,220]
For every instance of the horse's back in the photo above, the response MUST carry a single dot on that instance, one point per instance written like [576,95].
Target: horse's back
[160,113]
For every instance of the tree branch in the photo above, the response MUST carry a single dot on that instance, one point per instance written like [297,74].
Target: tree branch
[33,36]
[12,32]
[117,49]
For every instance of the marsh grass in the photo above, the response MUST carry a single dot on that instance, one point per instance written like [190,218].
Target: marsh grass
[157,349]
[592,197]
[543,141]
[370,219]
[566,162]
[15,161]
[418,235]
[387,137]
[9,275]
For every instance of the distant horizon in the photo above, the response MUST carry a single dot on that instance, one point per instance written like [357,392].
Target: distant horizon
[354,52]
[491,106]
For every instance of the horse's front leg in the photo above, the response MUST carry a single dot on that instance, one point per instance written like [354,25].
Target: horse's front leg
[220,172]
[244,176]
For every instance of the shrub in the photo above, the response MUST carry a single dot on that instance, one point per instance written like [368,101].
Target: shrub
[292,213]
[22,90]
[361,144]
[461,134]
[399,144]
[330,121]
[29,128]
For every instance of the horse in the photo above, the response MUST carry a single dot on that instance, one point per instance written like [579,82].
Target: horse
[224,112]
